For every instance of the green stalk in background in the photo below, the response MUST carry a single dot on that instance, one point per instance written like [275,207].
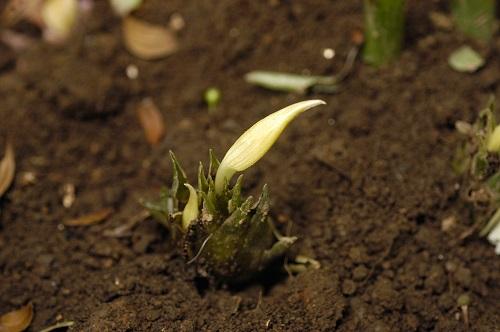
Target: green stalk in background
[475,18]
[384,25]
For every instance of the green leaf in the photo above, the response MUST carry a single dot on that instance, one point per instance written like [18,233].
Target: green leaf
[235,200]
[461,160]
[384,30]
[487,118]
[262,208]
[179,191]
[494,220]
[479,164]
[241,213]
[465,59]
[494,183]
[476,18]
[214,163]
[202,180]
[209,204]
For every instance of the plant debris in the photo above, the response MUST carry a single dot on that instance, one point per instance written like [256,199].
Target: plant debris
[58,326]
[125,229]
[287,82]
[59,19]
[477,161]
[17,320]
[148,41]
[90,219]
[124,7]
[295,83]
[465,59]
[7,169]
[151,121]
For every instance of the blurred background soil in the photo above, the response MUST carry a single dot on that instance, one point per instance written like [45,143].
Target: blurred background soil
[365,181]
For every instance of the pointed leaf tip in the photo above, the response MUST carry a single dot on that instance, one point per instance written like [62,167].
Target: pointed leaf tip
[190,212]
[494,140]
[257,140]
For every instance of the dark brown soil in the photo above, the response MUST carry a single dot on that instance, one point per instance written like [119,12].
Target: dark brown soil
[366,179]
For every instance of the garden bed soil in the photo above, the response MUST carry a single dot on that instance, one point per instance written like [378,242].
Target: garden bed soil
[364,181]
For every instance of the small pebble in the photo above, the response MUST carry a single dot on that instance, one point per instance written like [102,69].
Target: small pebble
[68,195]
[28,178]
[132,72]
[328,53]
[177,22]
[348,287]
[360,272]
[448,223]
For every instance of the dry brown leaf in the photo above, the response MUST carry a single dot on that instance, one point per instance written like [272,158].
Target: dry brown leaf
[151,121]
[17,320]
[7,169]
[90,219]
[147,41]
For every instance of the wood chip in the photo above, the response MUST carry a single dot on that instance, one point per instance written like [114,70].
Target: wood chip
[7,169]
[90,219]
[448,223]
[17,320]
[151,121]
[148,41]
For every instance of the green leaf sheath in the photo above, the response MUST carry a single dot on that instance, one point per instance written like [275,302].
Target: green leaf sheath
[475,18]
[179,178]
[384,28]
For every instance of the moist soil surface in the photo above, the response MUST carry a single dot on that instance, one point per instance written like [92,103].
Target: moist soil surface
[365,181]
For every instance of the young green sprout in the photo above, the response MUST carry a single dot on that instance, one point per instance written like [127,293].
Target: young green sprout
[475,18]
[212,98]
[384,28]
[224,234]
[479,160]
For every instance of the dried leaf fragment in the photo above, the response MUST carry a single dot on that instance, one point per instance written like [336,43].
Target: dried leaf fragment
[7,169]
[124,7]
[286,82]
[17,320]
[148,41]
[59,17]
[58,326]
[151,121]
[90,219]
